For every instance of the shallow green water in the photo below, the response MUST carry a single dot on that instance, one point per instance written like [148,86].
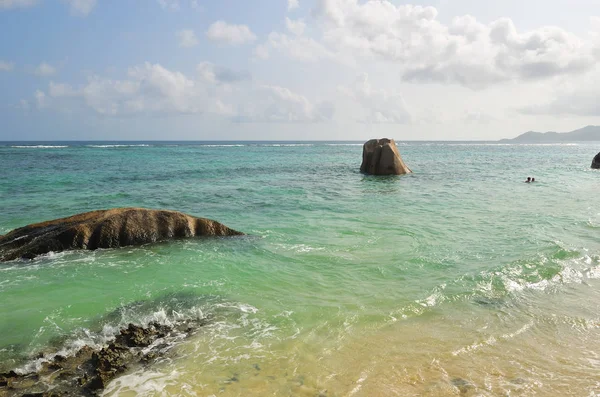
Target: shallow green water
[457,278]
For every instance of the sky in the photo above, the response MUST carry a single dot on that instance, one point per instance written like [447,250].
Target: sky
[296,69]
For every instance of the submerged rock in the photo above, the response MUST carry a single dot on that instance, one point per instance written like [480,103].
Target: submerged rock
[381,157]
[463,385]
[596,162]
[88,372]
[112,228]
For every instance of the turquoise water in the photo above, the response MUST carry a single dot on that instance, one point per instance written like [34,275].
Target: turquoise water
[458,278]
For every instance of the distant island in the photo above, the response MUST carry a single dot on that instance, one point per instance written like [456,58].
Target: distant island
[589,133]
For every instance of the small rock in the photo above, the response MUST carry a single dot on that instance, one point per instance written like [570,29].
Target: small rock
[462,384]
[596,162]
[7,377]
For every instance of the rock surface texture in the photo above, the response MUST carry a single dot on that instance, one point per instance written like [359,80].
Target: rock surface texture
[596,162]
[381,157]
[112,228]
[89,370]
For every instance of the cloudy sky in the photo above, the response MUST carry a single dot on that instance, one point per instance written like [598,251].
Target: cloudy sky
[296,69]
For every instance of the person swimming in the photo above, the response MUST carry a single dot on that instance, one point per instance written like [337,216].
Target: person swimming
[528,180]
[532,179]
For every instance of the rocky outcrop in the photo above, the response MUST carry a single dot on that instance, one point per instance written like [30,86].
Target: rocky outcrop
[89,370]
[596,162]
[381,157]
[106,229]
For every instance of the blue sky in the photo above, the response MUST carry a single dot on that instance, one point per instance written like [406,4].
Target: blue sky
[296,69]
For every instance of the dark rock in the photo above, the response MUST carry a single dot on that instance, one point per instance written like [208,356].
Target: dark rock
[489,302]
[106,229]
[381,157]
[89,370]
[52,366]
[234,378]
[6,378]
[85,351]
[150,357]
[138,336]
[462,385]
[108,363]
[83,380]
[596,162]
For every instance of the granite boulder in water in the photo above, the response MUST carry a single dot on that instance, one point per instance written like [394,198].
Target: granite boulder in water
[381,157]
[596,162]
[111,228]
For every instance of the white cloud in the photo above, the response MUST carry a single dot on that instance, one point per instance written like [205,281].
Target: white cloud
[299,48]
[153,89]
[6,66]
[274,104]
[464,52]
[262,51]
[296,27]
[578,102]
[77,7]
[6,4]
[220,75]
[545,52]
[149,88]
[44,70]
[61,90]
[177,5]
[187,38]
[40,99]
[293,4]
[381,106]
[223,32]
[172,5]
[24,104]
[81,7]
[195,5]
[477,117]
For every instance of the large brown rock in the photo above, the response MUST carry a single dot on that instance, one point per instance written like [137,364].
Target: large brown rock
[596,162]
[381,157]
[112,228]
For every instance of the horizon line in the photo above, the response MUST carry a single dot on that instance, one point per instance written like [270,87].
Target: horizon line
[251,140]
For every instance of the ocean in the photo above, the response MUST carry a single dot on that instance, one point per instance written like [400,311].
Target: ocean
[458,279]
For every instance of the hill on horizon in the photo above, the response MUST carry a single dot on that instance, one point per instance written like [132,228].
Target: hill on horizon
[589,133]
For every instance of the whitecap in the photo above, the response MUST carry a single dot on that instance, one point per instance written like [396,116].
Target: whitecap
[287,144]
[142,382]
[117,146]
[475,346]
[39,146]
[232,145]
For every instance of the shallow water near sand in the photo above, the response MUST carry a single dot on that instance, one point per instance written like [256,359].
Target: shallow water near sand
[458,279]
